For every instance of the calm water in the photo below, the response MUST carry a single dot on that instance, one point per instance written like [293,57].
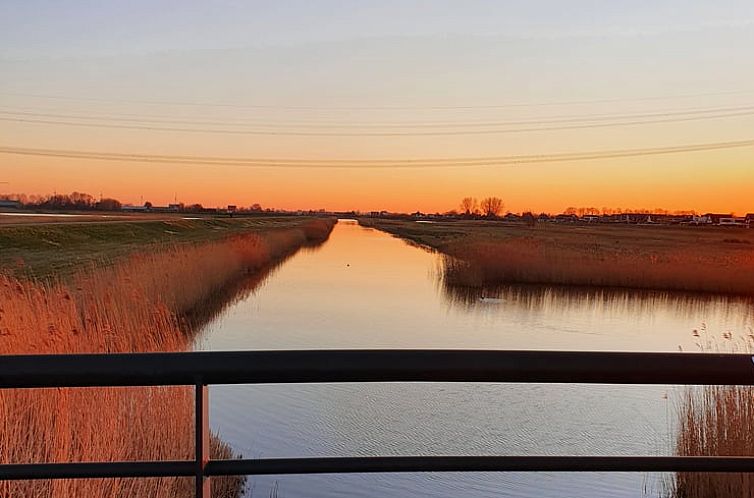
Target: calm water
[366,289]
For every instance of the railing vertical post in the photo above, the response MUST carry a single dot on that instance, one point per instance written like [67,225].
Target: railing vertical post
[201,431]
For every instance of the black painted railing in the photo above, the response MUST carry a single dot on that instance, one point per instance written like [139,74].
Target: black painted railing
[201,369]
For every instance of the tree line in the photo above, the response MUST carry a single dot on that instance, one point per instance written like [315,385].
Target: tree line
[77,201]
[490,207]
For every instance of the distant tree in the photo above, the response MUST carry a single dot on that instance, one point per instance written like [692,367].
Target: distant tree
[80,200]
[108,204]
[492,206]
[256,208]
[570,211]
[468,205]
[57,201]
[195,208]
[148,205]
[22,198]
[529,218]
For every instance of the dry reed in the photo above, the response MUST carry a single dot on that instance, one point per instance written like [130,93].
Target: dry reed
[531,261]
[133,306]
[715,421]
[718,421]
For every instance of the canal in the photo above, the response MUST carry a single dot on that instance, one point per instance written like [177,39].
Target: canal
[367,289]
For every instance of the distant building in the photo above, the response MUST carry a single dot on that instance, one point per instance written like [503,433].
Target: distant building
[134,209]
[732,222]
[5,204]
[529,218]
[681,219]
[566,218]
[636,218]
[613,218]
[715,217]
[701,220]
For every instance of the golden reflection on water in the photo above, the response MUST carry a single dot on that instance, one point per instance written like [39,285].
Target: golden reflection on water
[202,314]
[560,299]
[366,289]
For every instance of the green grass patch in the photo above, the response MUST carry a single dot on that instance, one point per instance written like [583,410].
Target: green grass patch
[42,250]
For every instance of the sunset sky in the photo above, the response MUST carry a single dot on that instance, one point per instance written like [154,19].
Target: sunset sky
[381,80]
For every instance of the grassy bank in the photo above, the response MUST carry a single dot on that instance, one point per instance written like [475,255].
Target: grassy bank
[57,249]
[135,304]
[670,258]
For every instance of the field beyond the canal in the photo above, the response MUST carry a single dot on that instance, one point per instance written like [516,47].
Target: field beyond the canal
[667,258]
[38,247]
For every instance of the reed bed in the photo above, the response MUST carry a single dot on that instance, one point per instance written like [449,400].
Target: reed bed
[662,258]
[531,261]
[715,421]
[719,421]
[136,305]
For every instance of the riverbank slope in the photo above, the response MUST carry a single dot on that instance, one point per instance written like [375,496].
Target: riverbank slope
[667,258]
[134,302]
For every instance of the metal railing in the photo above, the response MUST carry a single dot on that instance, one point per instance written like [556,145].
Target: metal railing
[201,369]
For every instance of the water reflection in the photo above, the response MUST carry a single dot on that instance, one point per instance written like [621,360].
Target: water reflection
[366,289]
[200,316]
[555,299]
[197,320]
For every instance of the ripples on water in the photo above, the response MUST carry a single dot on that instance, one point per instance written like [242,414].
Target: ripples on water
[365,289]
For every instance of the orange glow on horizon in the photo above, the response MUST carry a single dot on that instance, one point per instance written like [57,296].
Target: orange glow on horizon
[635,183]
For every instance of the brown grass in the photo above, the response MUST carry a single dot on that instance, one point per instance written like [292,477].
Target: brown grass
[719,421]
[134,306]
[687,259]
[715,421]
[534,262]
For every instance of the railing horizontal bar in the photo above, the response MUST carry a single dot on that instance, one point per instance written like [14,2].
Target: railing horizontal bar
[363,465]
[327,366]
[283,466]
[87,470]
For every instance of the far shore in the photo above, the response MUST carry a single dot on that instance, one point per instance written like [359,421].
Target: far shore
[716,260]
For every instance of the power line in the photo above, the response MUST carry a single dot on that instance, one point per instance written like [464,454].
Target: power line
[269,132]
[135,118]
[376,108]
[378,163]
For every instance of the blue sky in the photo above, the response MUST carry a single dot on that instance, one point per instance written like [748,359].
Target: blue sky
[198,60]
[32,28]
